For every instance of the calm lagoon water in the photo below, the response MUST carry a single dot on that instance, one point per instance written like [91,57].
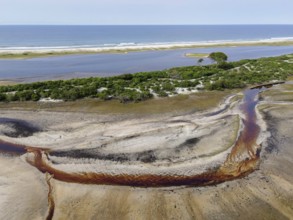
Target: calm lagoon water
[115,64]
[66,37]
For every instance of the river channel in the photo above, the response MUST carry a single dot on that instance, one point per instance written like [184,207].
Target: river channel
[232,168]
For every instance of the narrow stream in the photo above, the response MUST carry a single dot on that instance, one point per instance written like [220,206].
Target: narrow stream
[232,168]
[11,149]
[247,139]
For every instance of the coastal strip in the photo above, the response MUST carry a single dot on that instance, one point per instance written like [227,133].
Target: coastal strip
[26,53]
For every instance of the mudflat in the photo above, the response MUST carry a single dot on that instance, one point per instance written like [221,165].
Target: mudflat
[177,144]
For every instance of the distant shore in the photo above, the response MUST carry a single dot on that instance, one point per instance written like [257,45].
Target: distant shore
[47,52]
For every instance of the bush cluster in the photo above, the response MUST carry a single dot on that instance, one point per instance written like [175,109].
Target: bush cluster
[141,86]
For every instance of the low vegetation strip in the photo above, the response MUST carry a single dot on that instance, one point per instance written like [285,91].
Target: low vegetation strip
[145,85]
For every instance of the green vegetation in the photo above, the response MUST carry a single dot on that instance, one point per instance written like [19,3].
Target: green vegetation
[218,57]
[143,86]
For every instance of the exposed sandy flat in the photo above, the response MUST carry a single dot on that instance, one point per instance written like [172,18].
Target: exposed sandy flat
[267,193]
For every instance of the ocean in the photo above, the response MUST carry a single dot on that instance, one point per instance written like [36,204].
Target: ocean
[61,37]
[22,38]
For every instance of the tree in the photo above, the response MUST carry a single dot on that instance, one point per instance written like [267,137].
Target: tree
[200,60]
[218,57]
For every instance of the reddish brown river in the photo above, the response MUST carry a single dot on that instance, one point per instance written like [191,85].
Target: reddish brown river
[229,170]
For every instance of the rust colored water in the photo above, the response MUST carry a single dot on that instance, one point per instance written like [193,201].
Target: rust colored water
[51,201]
[12,149]
[247,139]
[229,170]
[143,180]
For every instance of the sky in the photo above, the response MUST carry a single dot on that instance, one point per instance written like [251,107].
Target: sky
[127,12]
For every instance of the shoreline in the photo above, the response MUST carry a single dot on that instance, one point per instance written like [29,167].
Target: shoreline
[47,52]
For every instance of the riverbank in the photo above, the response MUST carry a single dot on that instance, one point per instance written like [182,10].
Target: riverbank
[38,53]
[269,188]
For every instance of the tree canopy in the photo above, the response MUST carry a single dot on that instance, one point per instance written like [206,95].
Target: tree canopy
[218,57]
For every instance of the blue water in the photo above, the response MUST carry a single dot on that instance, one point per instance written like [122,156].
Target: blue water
[104,36]
[115,64]
[44,37]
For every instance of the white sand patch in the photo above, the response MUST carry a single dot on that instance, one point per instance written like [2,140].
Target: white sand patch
[50,100]
[102,89]
[185,91]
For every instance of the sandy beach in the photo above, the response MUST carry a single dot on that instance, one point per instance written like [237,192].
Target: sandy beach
[18,53]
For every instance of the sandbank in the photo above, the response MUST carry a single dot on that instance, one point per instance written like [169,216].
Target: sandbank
[47,52]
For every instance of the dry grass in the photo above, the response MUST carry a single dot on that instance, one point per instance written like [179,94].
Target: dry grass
[286,97]
[283,92]
[290,78]
[288,87]
[7,83]
[178,104]
[197,55]
[30,55]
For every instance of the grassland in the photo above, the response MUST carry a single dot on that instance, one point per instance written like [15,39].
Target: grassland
[286,94]
[197,55]
[7,83]
[177,104]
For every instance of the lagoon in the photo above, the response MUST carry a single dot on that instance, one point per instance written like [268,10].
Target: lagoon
[109,64]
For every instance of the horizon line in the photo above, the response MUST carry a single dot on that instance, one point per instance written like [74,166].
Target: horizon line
[138,24]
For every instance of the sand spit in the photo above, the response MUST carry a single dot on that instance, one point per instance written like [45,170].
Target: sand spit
[183,145]
[140,47]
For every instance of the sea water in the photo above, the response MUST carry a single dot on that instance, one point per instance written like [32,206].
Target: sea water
[17,38]
[37,37]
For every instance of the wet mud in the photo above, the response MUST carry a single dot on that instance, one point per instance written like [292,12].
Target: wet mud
[18,128]
[148,156]
[145,156]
